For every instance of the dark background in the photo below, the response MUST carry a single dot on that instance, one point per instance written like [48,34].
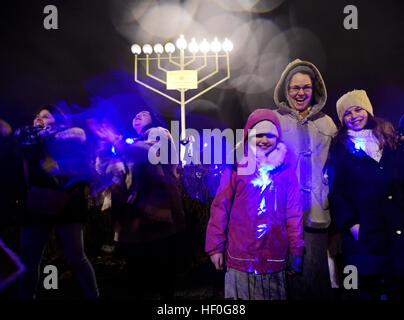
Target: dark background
[48,66]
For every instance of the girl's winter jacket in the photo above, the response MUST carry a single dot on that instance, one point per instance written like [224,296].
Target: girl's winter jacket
[256,219]
[368,193]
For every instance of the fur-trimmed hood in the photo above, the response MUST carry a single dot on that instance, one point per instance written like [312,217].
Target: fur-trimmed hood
[276,158]
[319,90]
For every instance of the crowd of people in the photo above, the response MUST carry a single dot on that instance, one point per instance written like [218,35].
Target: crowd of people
[317,193]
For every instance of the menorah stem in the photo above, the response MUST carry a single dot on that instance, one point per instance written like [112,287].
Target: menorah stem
[183,132]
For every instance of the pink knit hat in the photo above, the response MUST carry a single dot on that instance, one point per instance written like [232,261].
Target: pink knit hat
[261,115]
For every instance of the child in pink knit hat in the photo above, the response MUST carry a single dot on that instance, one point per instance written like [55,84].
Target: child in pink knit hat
[256,223]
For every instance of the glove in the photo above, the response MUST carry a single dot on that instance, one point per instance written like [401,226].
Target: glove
[295,263]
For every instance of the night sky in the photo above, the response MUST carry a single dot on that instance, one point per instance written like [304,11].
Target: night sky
[90,56]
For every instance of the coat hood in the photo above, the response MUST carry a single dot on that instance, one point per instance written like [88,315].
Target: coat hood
[319,97]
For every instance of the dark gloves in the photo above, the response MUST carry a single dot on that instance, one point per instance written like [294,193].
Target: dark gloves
[295,263]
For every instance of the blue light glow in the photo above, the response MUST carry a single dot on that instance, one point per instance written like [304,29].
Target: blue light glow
[360,144]
[262,207]
[261,230]
[263,181]
[129,140]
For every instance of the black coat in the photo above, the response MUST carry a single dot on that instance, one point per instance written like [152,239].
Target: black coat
[11,175]
[57,169]
[152,205]
[370,193]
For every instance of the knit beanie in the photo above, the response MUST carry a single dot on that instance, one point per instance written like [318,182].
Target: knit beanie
[260,115]
[302,69]
[264,127]
[353,98]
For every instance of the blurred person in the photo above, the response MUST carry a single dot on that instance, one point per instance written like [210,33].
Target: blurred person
[401,132]
[10,175]
[10,264]
[57,188]
[146,205]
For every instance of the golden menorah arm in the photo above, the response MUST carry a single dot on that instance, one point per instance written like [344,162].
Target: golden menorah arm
[213,73]
[213,85]
[150,75]
[172,61]
[158,91]
[204,64]
[190,61]
[159,66]
[151,88]
[207,89]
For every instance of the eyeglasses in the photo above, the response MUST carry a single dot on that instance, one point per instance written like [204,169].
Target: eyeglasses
[296,89]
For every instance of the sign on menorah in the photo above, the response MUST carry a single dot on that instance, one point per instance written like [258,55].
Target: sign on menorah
[174,74]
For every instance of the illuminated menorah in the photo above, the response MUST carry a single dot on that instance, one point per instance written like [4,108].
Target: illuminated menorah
[183,79]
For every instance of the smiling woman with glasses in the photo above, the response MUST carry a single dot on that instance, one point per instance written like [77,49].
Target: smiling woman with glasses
[300,97]
[295,89]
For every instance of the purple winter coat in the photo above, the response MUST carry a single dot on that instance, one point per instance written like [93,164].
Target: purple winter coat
[256,221]
[254,229]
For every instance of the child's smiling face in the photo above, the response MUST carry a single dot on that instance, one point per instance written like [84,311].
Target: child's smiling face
[356,118]
[264,142]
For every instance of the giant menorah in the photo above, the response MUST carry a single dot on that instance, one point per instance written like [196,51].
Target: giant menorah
[177,77]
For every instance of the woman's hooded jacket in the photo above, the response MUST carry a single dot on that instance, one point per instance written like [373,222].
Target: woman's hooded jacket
[310,139]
